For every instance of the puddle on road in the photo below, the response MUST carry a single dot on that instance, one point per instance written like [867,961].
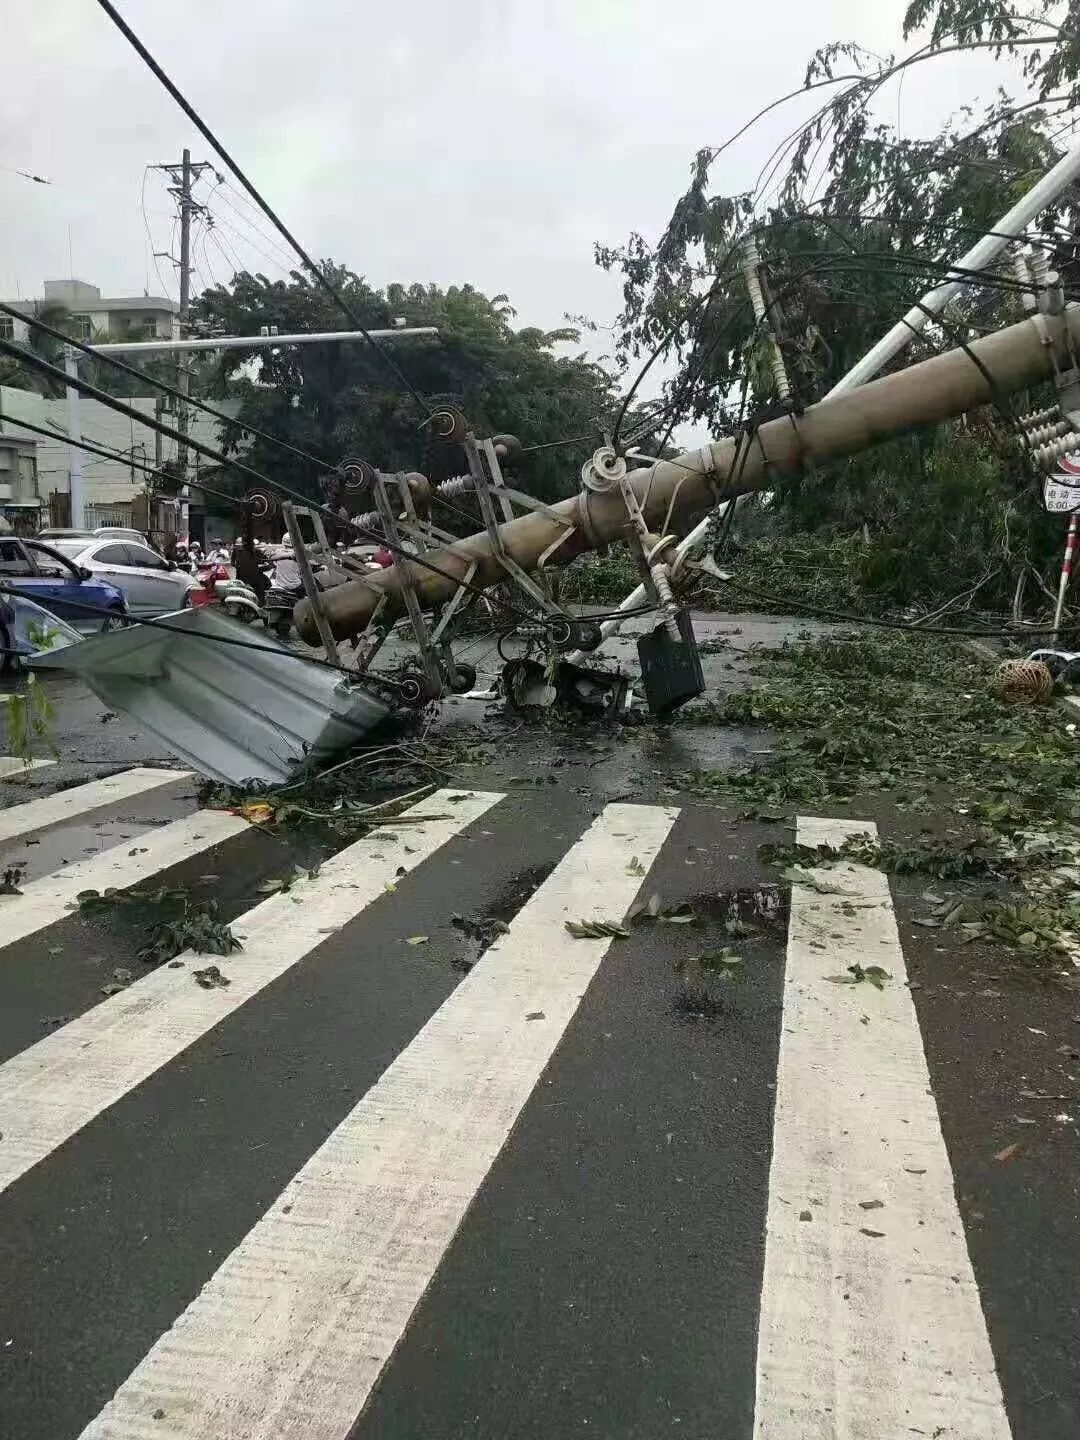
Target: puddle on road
[479,931]
[757,905]
[42,852]
[709,981]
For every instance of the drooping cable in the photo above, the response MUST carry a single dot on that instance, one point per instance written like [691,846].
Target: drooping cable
[37,362]
[211,139]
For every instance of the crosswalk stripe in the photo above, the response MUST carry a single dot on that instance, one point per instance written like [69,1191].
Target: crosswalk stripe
[57,1086]
[80,799]
[288,1338]
[871,1323]
[15,765]
[42,902]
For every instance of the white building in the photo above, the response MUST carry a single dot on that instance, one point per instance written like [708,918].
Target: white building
[123,317]
[111,488]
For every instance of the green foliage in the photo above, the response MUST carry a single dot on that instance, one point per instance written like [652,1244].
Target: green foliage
[29,717]
[860,975]
[337,400]
[23,376]
[852,222]
[174,921]
[988,854]
[910,718]
[871,542]
[904,715]
[601,579]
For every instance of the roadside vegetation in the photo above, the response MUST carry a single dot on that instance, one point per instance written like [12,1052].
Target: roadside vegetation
[914,723]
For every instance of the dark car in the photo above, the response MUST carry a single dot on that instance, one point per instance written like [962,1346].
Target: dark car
[54,581]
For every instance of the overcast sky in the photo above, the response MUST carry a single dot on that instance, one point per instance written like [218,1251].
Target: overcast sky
[489,141]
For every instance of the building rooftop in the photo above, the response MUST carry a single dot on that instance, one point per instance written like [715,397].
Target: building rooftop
[79,297]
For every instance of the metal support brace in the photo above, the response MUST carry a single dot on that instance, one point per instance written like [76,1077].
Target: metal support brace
[454,605]
[428,656]
[406,498]
[491,525]
[495,471]
[363,661]
[311,590]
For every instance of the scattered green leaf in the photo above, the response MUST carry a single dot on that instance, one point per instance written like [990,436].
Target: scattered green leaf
[597,930]
[858,974]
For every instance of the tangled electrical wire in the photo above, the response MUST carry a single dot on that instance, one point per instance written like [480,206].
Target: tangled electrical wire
[659,418]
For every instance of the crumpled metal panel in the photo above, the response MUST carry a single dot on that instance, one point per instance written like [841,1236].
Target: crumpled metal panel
[235,714]
[31,628]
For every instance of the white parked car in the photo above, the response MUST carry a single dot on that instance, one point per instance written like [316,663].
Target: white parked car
[112,532]
[150,584]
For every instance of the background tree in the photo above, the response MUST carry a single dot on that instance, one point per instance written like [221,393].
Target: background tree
[23,376]
[853,223]
[339,399]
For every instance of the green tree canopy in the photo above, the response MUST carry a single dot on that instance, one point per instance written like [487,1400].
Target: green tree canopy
[853,223]
[340,399]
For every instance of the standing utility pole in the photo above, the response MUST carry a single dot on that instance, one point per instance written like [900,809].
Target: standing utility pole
[76,505]
[182,176]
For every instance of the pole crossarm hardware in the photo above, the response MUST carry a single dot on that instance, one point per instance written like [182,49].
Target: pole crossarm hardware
[937,389]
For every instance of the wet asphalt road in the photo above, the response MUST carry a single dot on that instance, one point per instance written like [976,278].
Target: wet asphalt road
[606,1279]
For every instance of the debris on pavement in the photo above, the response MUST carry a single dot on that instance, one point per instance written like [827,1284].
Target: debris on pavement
[211,978]
[121,979]
[228,701]
[597,930]
[858,974]
[174,921]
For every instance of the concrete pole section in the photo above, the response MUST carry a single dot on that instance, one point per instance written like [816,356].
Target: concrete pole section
[938,389]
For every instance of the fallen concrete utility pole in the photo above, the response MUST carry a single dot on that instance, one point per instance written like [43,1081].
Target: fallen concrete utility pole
[938,389]
[982,255]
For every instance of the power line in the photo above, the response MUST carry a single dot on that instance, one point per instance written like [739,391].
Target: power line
[37,362]
[110,453]
[224,197]
[220,222]
[234,265]
[211,139]
[149,235]
[1002,633]
[117,364]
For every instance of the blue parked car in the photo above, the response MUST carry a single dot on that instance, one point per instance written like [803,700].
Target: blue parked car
[27,629]
[69,590]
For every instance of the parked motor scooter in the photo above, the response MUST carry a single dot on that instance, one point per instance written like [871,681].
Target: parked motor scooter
[238,600]
[235,597]
[277,609]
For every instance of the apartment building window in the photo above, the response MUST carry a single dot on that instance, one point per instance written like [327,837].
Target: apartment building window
[80,327]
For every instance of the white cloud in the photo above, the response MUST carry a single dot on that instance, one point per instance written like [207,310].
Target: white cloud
[490,141]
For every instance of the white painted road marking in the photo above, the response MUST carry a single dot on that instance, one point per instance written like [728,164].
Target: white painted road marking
[871,1326]
[81,799]
[44,901]
[57,1086]
[11,765]
[288,1339]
